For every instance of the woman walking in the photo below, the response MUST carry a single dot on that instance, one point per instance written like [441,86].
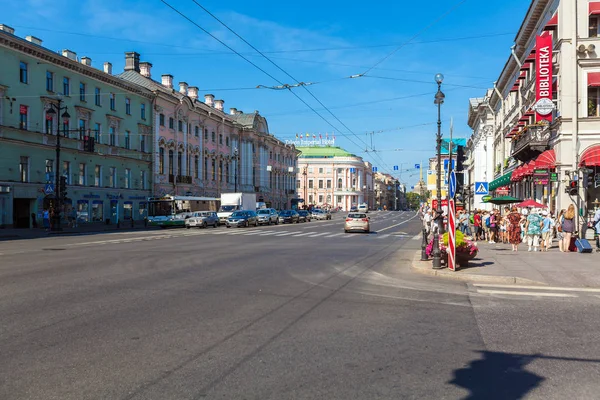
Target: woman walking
[514,228]
[534,230]
[568,227]
[559,232]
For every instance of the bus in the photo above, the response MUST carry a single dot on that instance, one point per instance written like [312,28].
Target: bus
[171,211]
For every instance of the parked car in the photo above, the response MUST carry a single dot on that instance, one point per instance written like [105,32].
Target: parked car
[320,214]
[290,216]
[267,216]
[242,218]
[304,216]
[202,219]
[354,209]
[357,222]
[363,208]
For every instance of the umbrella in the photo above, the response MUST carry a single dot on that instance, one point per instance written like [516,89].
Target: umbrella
[531,203]
[503,200]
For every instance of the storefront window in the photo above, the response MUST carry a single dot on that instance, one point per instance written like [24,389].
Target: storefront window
[83,211]
[127,210]
[97,211]
[114,211]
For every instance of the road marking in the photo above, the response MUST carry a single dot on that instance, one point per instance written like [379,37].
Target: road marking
[271,233]
[508,292]
[304,234]
[319,234]
[382,236]
[566,289]
[400,223]
[285,234]
[334,235]
[258,233]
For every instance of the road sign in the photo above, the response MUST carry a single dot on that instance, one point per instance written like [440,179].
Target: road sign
[395,168]
[49,176]
[417,166]
[48,188]
[374,169]
[451,237]
[352,170]
[481,188]
[452,184]
[434,203]
[446,162]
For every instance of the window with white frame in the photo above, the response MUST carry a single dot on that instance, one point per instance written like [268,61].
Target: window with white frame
[82,174]
[112,177]
[127,178]
[24,169]
[98,176]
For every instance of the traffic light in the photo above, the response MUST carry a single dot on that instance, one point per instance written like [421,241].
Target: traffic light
[572,189]
[588,178]
[88,143]
[62,187]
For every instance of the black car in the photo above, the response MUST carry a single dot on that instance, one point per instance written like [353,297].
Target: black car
[242,218]
[303,216]
[290,216]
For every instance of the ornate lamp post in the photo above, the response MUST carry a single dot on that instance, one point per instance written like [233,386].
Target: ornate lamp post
[439,100]
[235,172]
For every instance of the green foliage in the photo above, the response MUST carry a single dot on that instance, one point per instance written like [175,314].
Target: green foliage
[413,199]
[460,239]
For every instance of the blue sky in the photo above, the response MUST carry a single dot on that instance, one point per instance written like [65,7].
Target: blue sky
[323,42]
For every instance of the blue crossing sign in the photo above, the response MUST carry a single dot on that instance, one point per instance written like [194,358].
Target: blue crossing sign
[481,188]
[417,166]
[452,185]
[374,169]
[48,188]
[395,168]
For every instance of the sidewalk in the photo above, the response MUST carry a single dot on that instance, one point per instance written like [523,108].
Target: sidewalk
[496,263]
[89,228]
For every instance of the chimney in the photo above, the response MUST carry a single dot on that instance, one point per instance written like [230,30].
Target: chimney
[183,88]
[193,92]
[86,61]
[132,61]
[146,69]
[209,100]
[71,55]
[7,29]
[167,81]
[34,40]
[238,112]
[219,104]
[108,68]
[232,111]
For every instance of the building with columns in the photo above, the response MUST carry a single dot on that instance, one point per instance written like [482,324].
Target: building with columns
[332,177]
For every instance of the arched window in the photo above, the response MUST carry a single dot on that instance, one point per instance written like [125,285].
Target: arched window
[161,160]
[171,162]
[339,185]
[196,165]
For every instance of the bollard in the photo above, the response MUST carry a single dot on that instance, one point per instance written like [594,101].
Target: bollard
[424,246]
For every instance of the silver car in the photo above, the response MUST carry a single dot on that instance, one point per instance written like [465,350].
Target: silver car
[202,219]
[267,216]
[356,221]
[320,214]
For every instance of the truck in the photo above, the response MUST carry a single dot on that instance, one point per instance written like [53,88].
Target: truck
[231,202]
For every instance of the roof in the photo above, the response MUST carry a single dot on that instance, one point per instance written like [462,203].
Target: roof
[323,152]
[148,83]
[246,120]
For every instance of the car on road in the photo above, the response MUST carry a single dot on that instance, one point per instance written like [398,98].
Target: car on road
[303,216]
[290,216]
[363,208]
[242,218]
[267,216]
[354,209]
[356,221]
[202,219]
[319,214]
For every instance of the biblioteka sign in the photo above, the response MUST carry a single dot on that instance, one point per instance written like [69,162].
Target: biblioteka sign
[543,84]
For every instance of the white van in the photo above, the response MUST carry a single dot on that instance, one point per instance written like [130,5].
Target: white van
[363,208]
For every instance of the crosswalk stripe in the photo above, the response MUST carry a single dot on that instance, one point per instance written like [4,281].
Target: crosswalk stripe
[272,233]
[285,234]
[318,234]
[304,234]
[383,236]
[335,234]
[509,292]
[257,233]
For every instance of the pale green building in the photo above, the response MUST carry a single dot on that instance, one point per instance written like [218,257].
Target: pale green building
[108,183]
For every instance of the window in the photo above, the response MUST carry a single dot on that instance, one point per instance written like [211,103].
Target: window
[49,81]
[179,163]
[98,176]
[23,72]
[24,169]
[213,137]
[340,171]
[82,91]
[112,136]
[321,198]
[97,97]
[97,132]
[206,169]
[227,172]
[143,110]
[65,128]
[66,86]
[205,134]
[143,143]
[82,174]
[339,183]
[127,106]
[180,125]
[196,131]
[339,199]
[127,139]
[112,177]
[214,170]
[196,166]
[171,123]
[594,102]
[143,183]
[66,171]
[328,183]
[298,184]
[220,138]
[161,160]
[161,119]
[320,183]
[171,162]
[127,178]
[81,129]
[221,170]
[49,123]
[112,101]
[49,166]
[23,111]
[227,141]
[310,198]
[320,170]
[594,25]
[310,184]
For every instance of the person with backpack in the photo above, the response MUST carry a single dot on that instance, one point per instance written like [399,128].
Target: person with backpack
[486,226]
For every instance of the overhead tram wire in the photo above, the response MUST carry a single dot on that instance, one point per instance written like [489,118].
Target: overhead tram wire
[278,67]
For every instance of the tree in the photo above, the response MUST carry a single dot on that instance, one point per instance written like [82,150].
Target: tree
[414,199]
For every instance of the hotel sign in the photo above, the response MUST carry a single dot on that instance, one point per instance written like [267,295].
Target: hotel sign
[543,84]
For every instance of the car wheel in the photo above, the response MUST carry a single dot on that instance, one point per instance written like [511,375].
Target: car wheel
[269,223]
[188,227]
[246,224]
[204,225]
[229,226]
[216,225]
[345,230]
[256,223]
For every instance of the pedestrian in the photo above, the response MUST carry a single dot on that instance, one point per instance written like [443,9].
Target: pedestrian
[462,217]
[547,228]
[533,227]
[427,218]
[493,226]
[485,218]
[73,217]
[596,224]
[477,224]
[568,227]
[34,223]
[46,219]
[514,228]
[559,232]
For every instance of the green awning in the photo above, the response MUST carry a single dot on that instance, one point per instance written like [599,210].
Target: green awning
[504,180]
[503,200]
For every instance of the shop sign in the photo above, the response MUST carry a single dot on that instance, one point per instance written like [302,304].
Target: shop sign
[543,81]
[540,172]
[23,110]
[486,198]
[114,196]
[554,177]
[503,190]
[434,203]
[540,181]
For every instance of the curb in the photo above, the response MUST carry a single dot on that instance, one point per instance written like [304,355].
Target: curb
[424,267]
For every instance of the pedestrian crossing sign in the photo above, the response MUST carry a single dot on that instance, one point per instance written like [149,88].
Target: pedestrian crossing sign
[481,188]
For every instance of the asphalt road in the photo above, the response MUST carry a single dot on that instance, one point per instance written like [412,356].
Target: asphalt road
[299,311]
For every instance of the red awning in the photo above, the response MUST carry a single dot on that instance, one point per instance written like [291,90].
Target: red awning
[528,169]
[553,23]
[531,56]
[590,157]
[516,175]
[525,66]
[515,88]
[522,123]
[523,75]
[594,7]
[530,112]
[593,79]
[546,160]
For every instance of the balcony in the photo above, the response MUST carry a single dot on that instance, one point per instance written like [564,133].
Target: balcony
[530,143]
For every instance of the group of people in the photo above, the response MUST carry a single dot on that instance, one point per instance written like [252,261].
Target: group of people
[535,227]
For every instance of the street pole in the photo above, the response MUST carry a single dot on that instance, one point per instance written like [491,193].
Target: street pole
[235,157]
[58,191]
[439,100]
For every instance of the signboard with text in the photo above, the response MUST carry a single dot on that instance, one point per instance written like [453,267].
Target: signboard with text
[543,81]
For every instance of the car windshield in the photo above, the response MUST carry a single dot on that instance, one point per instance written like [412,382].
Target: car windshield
[238,214]
[285,213]
[228,208]
[356,215]
[263,212]
[303,212]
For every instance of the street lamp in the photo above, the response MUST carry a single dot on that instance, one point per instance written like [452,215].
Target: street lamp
[58,191]
[235,172]
[439,100]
